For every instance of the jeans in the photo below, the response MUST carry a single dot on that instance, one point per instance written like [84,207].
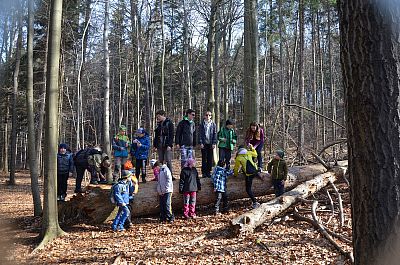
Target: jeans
[259,156]
[186,153]
[249,184]
[120,218]
[189,204]
[166,208]
[224,197]
[279,186]
[206,160]
[165,155]
[225,154]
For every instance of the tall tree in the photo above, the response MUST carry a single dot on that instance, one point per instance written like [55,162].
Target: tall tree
[33,165]
[50,226]
[250,71]
[300,129]
[210,58]
[370,51]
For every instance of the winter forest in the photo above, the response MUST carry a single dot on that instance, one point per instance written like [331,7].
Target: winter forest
[199,132]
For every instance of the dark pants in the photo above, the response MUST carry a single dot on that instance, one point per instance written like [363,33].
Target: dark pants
[249,184]
[259,156]
[279,187]
[80,172]
[225,154]
[118,165]
[62,180]
[224,197]
[206,160]
[166,208]
[141,169]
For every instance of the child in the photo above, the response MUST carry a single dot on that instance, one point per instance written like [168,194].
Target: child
[278,169]
[218,178]
[165,188]
[133,186]
[155,165]
[65,168]
[140,150]
[189,184]
[244,160]
[121,197]
[227,139]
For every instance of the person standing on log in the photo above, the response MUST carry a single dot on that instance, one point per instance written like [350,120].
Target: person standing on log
[208,141]
[255,137]
[165,187]
[219,179]
[140,151]
[65,168]
[227,140]
[120,145]
[185,137]
[278,169]
[244,161]
[164,139]
[189,184]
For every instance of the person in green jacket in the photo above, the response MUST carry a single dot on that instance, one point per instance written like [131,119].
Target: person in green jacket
[227,140]
[278,169]
[244,161]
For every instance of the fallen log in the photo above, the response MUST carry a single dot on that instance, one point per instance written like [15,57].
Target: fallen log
[248,221]
[94,206]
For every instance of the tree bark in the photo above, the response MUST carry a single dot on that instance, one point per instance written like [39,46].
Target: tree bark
[300,128]
[370,57]
[50,226]
[95,207]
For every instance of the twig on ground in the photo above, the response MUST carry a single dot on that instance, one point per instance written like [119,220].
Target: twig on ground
[341,215]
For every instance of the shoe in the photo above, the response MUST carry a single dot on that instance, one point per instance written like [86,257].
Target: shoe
[62,197]
[78,191]
[186,217]
[103,181]
[58,198]
[217,213]
[171,221]
[193,216]
[256,205]
[173,178]
[94,182]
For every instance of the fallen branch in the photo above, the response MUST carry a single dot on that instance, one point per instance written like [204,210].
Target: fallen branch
[248,221]
[341,215]
[339,141]
[320,160]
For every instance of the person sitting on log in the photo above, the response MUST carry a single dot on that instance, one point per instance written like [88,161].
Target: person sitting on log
[189,184]
[165,187]
[219,179]
[120,193]
[278,169]
[93,160]
[244,161]
[140,151]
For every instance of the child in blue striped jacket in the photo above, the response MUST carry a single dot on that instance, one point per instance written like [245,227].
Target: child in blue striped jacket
[219,179]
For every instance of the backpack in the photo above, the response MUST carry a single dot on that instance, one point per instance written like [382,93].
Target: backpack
[112,198]
[250,168]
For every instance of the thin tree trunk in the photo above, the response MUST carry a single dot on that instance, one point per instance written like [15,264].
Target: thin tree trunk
[300,132]
[282,76]
[162,54]
[210,58]
[332,88]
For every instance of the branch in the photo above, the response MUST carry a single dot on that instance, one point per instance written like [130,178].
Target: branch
[320,160]
[313,111]
[341,215]
[339,141]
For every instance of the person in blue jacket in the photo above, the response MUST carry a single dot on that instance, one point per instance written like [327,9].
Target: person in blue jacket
[65,168]
[122,195]
[120,145]
[140,151]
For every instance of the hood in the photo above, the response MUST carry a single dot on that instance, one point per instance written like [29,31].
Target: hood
[242,151]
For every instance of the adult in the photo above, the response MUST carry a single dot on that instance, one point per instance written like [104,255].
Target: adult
[227,140]
[140,151]
[164,138]
[185,138]
[120,145]
[207,141]
[93,160]
[65,168]
[255,137]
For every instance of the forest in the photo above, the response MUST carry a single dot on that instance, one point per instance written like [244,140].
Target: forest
[320,79]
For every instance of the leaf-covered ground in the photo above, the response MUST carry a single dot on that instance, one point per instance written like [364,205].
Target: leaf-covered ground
[150,242]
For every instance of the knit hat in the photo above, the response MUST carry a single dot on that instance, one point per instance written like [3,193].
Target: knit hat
[122,128]
[153,162]
[280,153]
[62,146]
[190,162]
[229,122]
[125,174]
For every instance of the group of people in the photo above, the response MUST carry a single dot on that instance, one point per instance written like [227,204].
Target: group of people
[248,160]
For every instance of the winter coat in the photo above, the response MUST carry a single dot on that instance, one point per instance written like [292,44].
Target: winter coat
[229,135]
[218,178]
[254,142]
[278,169]
[189,180]
[121,192]
[120,145]
[164,183]
[164,134]
[186,133]
[243,157]
[65,164]
[203,130]
[141,152]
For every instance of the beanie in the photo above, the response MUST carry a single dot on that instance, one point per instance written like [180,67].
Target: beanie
[280,153]
[229,122]
[62,146]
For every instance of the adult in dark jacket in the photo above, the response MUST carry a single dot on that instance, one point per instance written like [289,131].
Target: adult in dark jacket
[208,142]
[185,137]
[65,168]
[140,151]
[164,139]
[189,184]
[93,160]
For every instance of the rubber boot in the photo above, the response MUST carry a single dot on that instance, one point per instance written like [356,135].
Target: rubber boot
[144,178]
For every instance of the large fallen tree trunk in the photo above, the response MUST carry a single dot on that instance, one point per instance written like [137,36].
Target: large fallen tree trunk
[94,206]
[248,221]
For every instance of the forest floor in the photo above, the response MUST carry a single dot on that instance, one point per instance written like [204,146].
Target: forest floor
[150,242]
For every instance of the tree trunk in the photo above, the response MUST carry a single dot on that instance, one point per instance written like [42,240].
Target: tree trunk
[95,207]
[210,59]
[34,169]
[250,72]
[281,74]
[370,57]
[162,54]
[248,221]
[300,131]
[50,225]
